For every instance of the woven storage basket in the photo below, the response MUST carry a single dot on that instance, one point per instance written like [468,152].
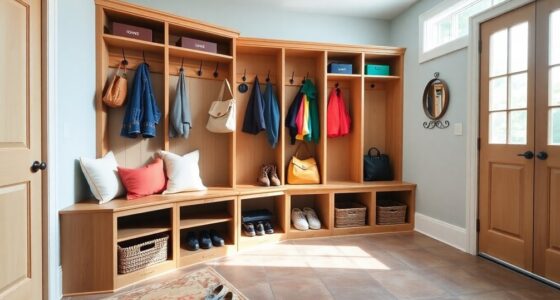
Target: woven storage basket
[390,212]
[349,214]
[137,255]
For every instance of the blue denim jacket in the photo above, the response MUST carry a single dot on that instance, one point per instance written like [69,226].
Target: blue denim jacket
[142,113]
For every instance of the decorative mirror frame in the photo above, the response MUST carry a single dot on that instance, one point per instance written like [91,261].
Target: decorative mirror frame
[435,120]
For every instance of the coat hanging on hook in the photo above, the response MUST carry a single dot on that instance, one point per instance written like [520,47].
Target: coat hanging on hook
[180,120]
[338,118]
[253,121]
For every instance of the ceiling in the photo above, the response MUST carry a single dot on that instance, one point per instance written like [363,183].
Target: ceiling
[377,9]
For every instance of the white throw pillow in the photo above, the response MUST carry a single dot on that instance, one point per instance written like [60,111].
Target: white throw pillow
[183,174]
[102,177]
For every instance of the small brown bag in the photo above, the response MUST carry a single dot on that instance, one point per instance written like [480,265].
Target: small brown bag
[115,93]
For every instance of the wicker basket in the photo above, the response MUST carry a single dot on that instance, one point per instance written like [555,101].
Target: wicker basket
[135,255]
[390,212]
[349,214]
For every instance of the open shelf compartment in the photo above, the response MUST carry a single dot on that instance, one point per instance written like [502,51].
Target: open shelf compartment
[138,225]
[354,59]
[322,205]
[276,204]
[402,196]
[226,230]
[341,199]
[393,61]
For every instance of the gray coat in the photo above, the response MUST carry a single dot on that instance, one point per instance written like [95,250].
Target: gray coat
[180,120]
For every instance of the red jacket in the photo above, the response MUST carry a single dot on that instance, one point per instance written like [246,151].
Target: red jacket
[338,118]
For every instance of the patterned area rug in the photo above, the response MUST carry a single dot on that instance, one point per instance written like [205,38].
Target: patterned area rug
[191,286]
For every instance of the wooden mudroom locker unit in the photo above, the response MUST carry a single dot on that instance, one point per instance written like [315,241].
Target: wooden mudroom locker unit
[229,163]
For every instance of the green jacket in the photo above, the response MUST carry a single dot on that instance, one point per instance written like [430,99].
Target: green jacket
[315,128]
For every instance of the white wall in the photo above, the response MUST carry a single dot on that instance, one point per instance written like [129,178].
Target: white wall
[434,159]
[74,105]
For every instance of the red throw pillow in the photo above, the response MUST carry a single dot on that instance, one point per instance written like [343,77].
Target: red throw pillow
[144,181]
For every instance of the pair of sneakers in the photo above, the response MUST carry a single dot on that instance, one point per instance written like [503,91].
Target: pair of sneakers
[258,228]
[220,292]
[205,240]
[306,218]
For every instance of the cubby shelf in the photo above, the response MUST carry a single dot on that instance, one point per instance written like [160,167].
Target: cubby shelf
[125,234]
[198,55]
[311,233]
[336,76]
[381,77]
[205,219]
[126,279]
[246,242]
[128,43]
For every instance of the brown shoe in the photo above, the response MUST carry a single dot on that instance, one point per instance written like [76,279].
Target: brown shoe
[263,178]
[273,176]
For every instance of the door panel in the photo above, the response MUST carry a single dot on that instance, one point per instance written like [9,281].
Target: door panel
[507,130]
[20,145]
[547,171]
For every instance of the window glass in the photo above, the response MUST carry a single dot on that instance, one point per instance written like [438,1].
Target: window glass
[498,127]
[554,126]
[498,53]
[554,38]
[498,93]
[518,127]
[518,91]
[519,47]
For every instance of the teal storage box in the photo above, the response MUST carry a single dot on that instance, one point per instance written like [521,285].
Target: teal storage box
[382,70]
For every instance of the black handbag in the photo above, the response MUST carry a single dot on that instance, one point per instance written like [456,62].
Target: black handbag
[378,167]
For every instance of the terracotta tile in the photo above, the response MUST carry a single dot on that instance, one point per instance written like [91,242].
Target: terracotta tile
[259,290]
[500,295]
[360,293]
[295,289]
[544,292]
[420,259]
[408,284]
[280,273]
[241,276]
[459,282]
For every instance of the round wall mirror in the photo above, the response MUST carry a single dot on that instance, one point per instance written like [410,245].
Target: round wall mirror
[436,98]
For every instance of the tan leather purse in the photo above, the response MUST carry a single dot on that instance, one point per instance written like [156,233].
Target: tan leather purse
[303,171]
[115,93]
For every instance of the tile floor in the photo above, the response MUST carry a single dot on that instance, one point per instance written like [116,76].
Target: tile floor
[388,266]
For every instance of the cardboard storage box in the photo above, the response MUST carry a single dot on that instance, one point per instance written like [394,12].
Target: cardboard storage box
[340,68]
[195,44]
[130,31]
[377,70]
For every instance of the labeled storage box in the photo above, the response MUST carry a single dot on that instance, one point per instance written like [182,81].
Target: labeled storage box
[349,214]
[130,31]
[140,253]
[390,212]
[383,70]
[195,44]
[340,68]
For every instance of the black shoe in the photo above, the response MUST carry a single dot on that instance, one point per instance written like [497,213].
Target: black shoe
[217,240]
[192,242]
[249,229]
[205,240]
[260,228]
[268,229]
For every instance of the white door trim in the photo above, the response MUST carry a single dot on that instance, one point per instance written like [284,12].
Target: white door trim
[472,115]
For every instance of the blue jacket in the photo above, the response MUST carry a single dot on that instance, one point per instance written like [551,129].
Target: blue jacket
[271,115]
[253,122]
[142,113]
[180,120]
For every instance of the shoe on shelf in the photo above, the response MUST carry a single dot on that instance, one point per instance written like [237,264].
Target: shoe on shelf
[268,229]
[217,293]
[263,177]
[249,229]
[217,240]
[205,240]
[259,228]
[192,241]
[273,175]
[298,219]
[312,219]
[228,296]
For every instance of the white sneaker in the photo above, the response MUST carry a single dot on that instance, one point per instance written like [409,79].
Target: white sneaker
[298,219]
[312,219]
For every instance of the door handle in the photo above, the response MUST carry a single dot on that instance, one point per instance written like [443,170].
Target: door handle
[542,155]
[36,166]
[527,154]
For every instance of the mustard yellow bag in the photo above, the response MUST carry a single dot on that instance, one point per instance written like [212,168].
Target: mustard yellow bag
[303,171]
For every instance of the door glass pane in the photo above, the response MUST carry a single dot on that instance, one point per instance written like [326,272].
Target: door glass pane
[519,47]
[518,91]
[498,127]
[498,93]
[498,53]
[518,127]
[554,126]
[554,86]
[554,38]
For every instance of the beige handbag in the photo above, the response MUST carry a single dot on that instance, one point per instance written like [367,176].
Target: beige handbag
[222,112]
[115,93]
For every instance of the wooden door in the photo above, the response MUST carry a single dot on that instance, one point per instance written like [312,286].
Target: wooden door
[547,141]
[507,132]
[20,145]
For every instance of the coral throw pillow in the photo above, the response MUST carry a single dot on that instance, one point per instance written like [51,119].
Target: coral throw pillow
[144,181]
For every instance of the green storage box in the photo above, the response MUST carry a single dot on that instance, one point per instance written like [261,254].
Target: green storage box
[377,70]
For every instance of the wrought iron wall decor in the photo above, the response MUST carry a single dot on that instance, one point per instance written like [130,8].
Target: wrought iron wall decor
[435,101]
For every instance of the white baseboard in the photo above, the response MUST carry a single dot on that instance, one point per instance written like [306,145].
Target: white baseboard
[58,294]
[450,234]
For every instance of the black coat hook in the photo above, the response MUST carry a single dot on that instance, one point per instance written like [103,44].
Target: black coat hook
[144,57]
[372,86]
[292,79]
[244,78]
[337,89]
[216,70]
[124,61]
[336,85]
[268,76]
[305,78]
[182,64]
[199,72]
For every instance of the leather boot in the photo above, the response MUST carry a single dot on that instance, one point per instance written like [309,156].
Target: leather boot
[263,177]
[273,176]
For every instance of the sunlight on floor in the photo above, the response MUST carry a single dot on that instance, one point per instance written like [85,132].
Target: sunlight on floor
[302,256]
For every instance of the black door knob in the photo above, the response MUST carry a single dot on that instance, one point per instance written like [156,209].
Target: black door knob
[527,154]
[542,155]
[36,166]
